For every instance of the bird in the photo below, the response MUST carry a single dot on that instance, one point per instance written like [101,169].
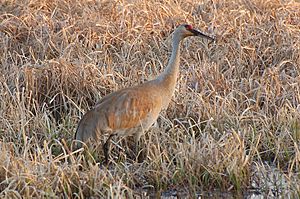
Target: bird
[132,111]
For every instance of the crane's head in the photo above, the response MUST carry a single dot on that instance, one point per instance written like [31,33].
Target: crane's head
[187,30]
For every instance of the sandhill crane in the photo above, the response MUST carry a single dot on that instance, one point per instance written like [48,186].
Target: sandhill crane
[132,111]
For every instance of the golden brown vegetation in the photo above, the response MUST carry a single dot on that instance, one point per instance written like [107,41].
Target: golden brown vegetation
[235,112]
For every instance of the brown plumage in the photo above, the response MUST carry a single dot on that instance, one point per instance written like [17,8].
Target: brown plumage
[132,111]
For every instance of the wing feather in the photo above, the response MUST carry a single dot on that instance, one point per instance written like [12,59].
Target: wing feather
[128,108]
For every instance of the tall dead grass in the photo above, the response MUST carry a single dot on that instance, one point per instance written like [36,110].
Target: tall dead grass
[235,110]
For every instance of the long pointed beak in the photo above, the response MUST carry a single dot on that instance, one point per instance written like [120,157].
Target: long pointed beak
[201,34]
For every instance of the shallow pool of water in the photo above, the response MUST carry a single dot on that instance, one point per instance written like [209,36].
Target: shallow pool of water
[266,182]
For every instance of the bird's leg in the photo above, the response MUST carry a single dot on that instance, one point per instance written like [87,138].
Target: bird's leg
[140,149]
[106,148]
[137,140]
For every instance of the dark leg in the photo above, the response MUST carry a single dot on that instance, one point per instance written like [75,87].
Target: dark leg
[141,150]
[106,148]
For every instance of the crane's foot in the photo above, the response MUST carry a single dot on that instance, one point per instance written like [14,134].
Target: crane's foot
[142,155]
[106,149]
[141,151]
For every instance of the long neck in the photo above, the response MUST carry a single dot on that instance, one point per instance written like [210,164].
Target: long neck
[167,79]
[169,76]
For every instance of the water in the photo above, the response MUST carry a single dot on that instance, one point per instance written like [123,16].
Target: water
[267,182]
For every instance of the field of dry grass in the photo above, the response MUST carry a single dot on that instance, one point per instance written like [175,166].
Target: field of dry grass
[234,119]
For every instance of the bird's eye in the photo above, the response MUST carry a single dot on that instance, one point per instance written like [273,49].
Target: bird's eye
[188,27]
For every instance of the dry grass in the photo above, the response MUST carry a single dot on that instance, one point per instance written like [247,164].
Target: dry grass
[235,112]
